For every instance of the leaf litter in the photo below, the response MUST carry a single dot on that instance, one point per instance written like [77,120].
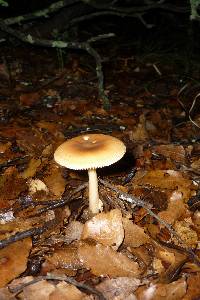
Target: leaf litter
[145,242]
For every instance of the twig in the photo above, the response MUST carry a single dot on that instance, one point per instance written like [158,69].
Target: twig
[63,201]
[13,161]
[85,46]
[60,278]
[134,200]
[40,13]
[27,233]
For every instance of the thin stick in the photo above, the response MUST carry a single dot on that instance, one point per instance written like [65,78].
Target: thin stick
[60,278]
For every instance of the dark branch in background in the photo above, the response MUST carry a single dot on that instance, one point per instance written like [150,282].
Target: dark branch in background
[62,44]
[136,9]
[70,280]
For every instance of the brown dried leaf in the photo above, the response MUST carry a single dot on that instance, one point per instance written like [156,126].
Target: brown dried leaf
[13,260]
[31,169]
[29,99]
[103,260]
[40,290]
[193,289]
[6,295]
[174,152]
[176,208]
[106,228]
[73,232]
[118,288]
[10,185]
[65,291]
[55,181]
[165,179]
[172,291]
[186,233]
[134,234]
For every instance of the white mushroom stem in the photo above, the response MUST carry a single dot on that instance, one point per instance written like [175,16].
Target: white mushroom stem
[93,191]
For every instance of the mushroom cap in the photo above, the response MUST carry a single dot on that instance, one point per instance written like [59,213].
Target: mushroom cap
[89,151]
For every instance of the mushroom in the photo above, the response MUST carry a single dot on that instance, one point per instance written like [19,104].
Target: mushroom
[89,152]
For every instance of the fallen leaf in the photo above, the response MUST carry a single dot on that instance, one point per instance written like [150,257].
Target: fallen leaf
[186,233]
[172,291]
[66,258]
[105,228]
[5,294]
[36,185]
[118,288]
[29,99]
[31,169]
[176,208]
[55,181]
[193,287]
[73,232]
[39,290]
[104,261]
[65,291]
[165,179]
[13,260]
[171,151]
[134,234]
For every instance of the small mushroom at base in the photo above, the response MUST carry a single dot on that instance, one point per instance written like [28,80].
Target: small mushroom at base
[89,152]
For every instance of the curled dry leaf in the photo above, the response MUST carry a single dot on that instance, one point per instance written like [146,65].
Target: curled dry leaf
[103,260]
[118,288]
[134,234]
[65,291]
[172,291]
[176,208]
[13,260]
[105,228]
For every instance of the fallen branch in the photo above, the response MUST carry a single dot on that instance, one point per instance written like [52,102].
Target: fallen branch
[138,202]
[70,280]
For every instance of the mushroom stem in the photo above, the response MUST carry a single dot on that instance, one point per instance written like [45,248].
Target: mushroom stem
[93,191]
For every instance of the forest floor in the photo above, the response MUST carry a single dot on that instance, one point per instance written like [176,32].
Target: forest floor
[51,247]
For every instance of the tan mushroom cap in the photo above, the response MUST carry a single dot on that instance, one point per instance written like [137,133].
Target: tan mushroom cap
[90,151]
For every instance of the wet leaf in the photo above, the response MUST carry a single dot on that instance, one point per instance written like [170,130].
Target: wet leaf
[66,258]
[104,261]
[106,228]
[13,260]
